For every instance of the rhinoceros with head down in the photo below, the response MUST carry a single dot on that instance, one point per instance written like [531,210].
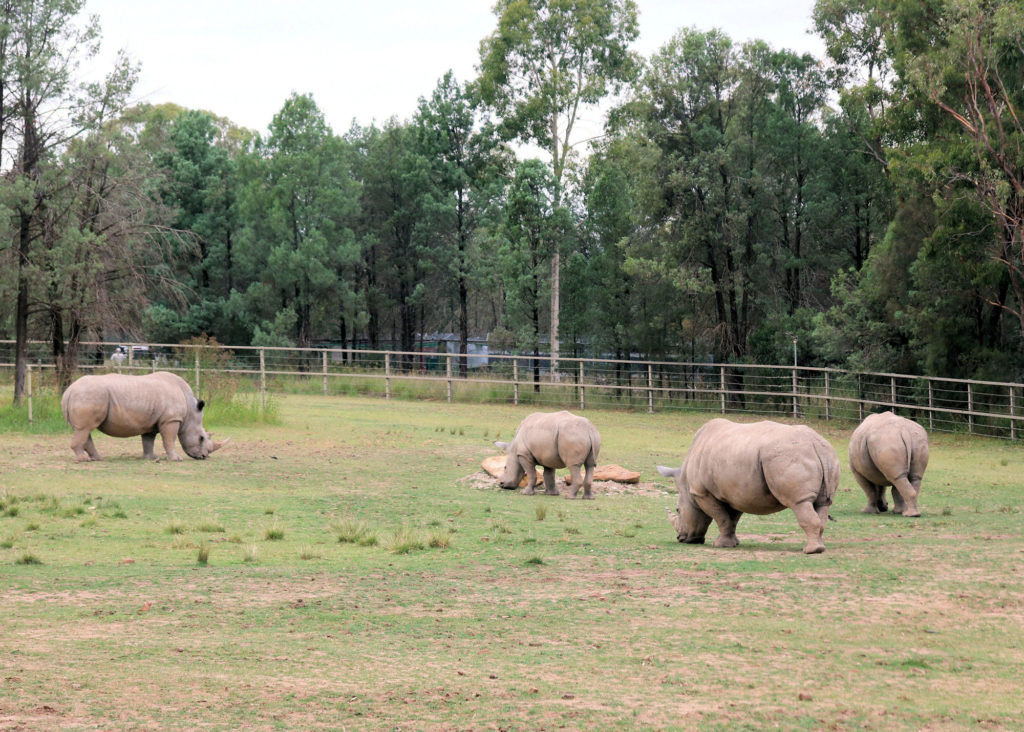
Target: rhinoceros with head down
[551,440]
[127,406]
[761,468]
[885,450]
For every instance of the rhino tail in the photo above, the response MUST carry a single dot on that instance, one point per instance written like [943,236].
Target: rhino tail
[829,469]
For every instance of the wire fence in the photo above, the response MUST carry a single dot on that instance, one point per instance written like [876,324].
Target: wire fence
[985,408]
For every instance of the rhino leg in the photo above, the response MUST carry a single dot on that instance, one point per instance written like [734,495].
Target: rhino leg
[574,482]
[725,516]
[531,475]
[83,447]
[904,496]
[588,481]
[549,482]
[875,494]
[812,520]
[147,446]
[168,433]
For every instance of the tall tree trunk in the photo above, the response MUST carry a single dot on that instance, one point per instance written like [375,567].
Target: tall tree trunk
[463,327]
[21,309]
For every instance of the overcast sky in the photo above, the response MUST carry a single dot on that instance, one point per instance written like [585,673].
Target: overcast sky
[362,60]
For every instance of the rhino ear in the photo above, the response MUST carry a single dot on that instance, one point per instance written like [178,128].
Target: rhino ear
[669,472]
[502,445]
[200,404]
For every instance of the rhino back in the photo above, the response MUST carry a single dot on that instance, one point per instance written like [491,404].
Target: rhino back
[761,467]
[124,406]
[886,447]
[556,439]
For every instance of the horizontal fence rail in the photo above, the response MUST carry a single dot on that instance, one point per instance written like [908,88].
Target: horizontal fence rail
[985,408]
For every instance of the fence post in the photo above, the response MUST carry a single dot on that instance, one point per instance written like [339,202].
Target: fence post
[28,390]
[448,373]
[796,409]
[860,399]
[892,392]
[828,400]
[387,375]
[325,373]
[931,404]
[970,409]
[515,381]
[130,352]
[583,398]
[650,389]
[263,381]
[721,381]
[1013,422]
[197,367]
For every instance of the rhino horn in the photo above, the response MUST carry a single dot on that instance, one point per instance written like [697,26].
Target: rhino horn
[671,515]
[218,445]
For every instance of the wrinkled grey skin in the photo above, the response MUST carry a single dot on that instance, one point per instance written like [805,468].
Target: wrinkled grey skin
[126,406]
[888,450]
[761,468]
[552,440]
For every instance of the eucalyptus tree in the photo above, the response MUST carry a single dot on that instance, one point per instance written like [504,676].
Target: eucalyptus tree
[946,126]
[110,247]
[42,108]
[545,62]
[534,227]
[698,228]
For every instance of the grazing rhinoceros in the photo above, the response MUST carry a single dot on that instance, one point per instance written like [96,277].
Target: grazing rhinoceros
[764,467]
[126,406]
[885,450]
[551,440]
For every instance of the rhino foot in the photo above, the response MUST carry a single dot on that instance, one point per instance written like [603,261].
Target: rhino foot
[726,542]
[816,548]
[912,513]
[528,491]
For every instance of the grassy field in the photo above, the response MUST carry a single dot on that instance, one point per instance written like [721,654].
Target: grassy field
[349,568]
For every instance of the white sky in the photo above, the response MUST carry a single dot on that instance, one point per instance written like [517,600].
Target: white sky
[362,60]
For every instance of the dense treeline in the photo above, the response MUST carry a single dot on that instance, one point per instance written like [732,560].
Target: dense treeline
[869,205]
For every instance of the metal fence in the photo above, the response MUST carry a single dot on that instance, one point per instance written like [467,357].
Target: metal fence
[986,408]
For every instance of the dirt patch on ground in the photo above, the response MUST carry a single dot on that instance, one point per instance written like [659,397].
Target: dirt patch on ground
[483,482]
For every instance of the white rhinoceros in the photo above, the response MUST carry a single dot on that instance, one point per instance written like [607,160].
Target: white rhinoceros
[552,440]
[885,450]
[126,406]
[761,468]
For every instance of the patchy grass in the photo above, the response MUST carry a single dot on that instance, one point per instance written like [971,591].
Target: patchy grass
[404,595]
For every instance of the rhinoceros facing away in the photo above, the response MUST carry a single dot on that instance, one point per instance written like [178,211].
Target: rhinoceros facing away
[761,468]
[126,406]
[885,450]
[552,440]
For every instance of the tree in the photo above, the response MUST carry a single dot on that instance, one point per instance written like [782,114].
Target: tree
[41,110]
[970,65]
[298,206]
[546,60]
[943,117]
[202,185]
[532,231]
[467,170]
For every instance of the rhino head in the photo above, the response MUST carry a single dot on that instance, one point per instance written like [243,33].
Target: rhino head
[689,521]
[195,441]
[514,471]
